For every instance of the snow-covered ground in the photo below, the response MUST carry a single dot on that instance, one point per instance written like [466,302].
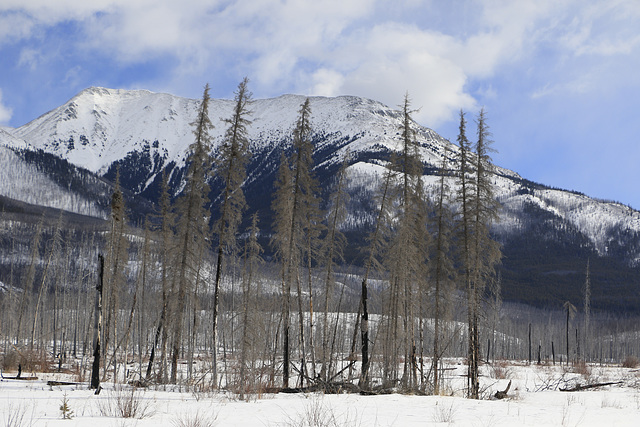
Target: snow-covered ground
[535,399]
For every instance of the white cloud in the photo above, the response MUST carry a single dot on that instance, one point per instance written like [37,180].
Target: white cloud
[338,47]
[391,59]
[5,112]
[29,58]
[326,82]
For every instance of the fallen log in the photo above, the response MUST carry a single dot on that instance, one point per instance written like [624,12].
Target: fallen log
[503,394]
[20,378]
[52,383]
[579,387]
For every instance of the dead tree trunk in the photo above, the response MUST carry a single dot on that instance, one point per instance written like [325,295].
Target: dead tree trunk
[97,331]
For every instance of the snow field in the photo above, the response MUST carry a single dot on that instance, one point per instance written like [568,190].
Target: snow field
[534,399]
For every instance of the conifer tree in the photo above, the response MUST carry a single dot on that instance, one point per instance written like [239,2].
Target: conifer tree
[295,199]
[465,190]
[479,252]
[282,241]
[231,169]
[441,267]
[405,254]
[192,225]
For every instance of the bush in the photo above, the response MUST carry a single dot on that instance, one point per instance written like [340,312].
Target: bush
[631,362]
[316,413]
[500,370]
[196,419]
[31,361]
[10,361]
[126,403]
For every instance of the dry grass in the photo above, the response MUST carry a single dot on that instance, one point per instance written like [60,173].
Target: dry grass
[318,413]
[20,414]
[444,413]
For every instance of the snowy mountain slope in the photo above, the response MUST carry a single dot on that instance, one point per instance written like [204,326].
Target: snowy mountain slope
[25,182]
[100,127]
[604,223]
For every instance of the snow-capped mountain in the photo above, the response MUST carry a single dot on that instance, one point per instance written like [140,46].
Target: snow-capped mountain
[144,133]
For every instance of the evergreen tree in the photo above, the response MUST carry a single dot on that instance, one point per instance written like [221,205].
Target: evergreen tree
[406,255]
[282,242]
[231,168]
[479,252]
[294,203]
[441,267]
[192,224]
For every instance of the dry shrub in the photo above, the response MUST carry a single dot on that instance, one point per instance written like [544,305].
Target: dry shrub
[501,370]
[582,368]
[318,413]
[444,413]
[126,403]
[10,361]
[631,362]
[78,371]
[20,414]
[31,361]
[195,419]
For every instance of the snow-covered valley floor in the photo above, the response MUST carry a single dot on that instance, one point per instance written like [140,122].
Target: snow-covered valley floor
[534,399]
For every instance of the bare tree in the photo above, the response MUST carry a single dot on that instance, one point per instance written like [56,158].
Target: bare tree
[97,332]
[252,258]
[333,247]
[167,238]
[587,312]
[115,271]
[377,241]
[571,312]
[54,252]
[30,279]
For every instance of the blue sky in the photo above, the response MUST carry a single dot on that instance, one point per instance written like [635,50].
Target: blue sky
[560,79]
